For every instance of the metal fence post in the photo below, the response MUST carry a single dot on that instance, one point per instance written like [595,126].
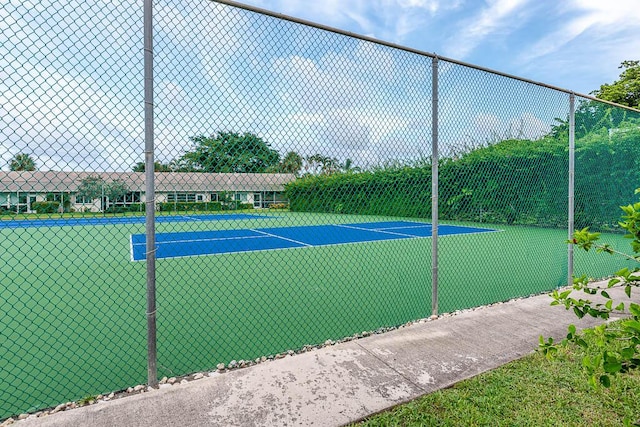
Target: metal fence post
[152,371]
[434,187]
[572,150]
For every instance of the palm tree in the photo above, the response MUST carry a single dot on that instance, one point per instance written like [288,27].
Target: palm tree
[292,163]
[22,162]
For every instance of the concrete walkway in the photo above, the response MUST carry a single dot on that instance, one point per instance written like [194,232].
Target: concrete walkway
[336,385]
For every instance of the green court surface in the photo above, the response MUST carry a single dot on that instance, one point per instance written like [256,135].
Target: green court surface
[73,318]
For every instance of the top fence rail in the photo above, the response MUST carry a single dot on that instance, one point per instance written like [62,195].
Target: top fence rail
[408,49]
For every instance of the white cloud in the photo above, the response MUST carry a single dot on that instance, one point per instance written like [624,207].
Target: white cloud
[498,16]
[595,23]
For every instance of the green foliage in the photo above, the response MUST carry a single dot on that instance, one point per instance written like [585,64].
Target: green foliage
[22,162]
[190,206]
[513,182]
[626,90]
[229,152]
[157,167]
[610,360]
[115,190]
[45,207]
[131,207]
[396,192]
[291,163]
[91,187]
[202,206]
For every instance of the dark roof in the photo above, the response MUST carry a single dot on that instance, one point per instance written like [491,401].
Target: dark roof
[165,182]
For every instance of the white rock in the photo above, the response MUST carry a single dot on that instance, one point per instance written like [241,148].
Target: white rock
[7,422]
[172,380]
[184,382]
[165,385]
[263,359]
[198,376]
[139,387]
[164,380]
[433,317]
[23,416]
[130,390]
[220,366]
[111,395]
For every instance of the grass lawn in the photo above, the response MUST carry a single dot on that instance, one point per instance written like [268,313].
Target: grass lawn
[532,391]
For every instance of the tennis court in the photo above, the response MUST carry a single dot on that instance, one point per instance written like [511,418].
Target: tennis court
[75,301]
[212,242]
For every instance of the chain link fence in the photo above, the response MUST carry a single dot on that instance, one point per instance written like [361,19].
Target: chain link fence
[294,169]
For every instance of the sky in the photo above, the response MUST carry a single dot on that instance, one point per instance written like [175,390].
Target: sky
[71,75]
[573,44]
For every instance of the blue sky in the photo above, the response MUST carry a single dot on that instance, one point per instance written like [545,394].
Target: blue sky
[71,81]
[573,44]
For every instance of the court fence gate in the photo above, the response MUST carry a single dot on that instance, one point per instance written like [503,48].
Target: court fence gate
[194,183]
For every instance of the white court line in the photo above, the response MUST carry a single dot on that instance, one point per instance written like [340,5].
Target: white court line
[131,246]
[280,237]
[204,240]
[410,237]
[375,230]
[406,226]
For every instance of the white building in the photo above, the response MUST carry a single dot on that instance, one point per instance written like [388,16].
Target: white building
[19,190]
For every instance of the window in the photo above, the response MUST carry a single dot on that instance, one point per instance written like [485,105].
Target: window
[214,197]
[83,200]
[199,197]
[240,197]
[57,197]
[129,198]
[181,197]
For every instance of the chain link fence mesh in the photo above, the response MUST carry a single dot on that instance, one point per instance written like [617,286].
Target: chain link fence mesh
[293,190]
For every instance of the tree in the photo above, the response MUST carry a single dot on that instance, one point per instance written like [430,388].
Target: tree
[348,166]
[22,162]
[323,165]
[618,346]
[157,167]
[229,152]
[291,163]
[626,90]
[115,190]
[91,187]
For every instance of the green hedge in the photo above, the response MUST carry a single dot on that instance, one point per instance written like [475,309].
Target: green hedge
[133,207]
[45,207]
[512,182]
[201,206]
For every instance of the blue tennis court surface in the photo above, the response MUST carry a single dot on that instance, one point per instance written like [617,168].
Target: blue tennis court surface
[197,243]
[28,223]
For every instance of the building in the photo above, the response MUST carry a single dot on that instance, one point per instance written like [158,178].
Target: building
[19,190]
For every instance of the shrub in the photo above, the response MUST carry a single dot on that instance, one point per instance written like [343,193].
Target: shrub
[45,207]
[612,358]
[189,206]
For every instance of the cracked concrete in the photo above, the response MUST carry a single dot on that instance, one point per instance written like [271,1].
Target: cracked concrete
[339,384]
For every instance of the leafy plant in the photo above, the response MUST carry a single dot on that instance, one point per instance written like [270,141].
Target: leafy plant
[87,400]
[611,359]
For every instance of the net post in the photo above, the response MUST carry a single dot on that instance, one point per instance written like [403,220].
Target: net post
[152,371]
[572,151]
[434,186]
